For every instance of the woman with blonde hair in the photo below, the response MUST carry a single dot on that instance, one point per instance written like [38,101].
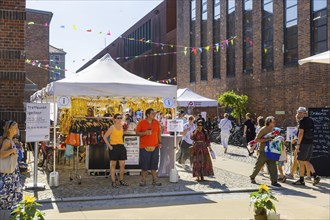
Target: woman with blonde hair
[10,184]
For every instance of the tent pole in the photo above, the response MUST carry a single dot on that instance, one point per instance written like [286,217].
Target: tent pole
[54,136]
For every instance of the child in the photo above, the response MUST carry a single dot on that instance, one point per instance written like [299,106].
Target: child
[282,160]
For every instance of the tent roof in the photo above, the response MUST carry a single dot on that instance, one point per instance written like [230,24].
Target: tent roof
[186,97]
[318,58]
[106,78]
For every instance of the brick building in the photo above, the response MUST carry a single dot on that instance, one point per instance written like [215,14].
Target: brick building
[12,68]
[57,62]
[37,48]
[159,26]
[262,63]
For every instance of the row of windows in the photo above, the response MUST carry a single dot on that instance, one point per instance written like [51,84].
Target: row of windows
[192,40]
[204,39]
[319,36]
[135,47]
[247,36]
[216,38]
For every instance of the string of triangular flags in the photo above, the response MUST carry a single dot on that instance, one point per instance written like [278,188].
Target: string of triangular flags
[222,44]
[53,70]
[74,27]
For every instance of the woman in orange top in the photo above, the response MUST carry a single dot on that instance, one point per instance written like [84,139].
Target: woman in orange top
[117,150]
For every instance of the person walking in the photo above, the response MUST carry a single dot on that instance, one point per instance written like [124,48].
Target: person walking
[262,159]
[150,142]
[202,164]
[117,150]
[260,124]
[304,146]
[225,125]
[249,129]
[11,192]
[187,142]
[295,155]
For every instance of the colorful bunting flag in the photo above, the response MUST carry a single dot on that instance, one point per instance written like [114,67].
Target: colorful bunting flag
[75,27]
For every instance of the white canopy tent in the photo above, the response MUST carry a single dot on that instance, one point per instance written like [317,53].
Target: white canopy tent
[188,98]
[318,58]
[105,78]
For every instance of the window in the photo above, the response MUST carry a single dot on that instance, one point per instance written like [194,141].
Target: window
[290,31]
[216,39]
[319,26]
[192,40]
[204,53]
[247,36]
[230,33]
[57,59]
[138,45]
[267,34]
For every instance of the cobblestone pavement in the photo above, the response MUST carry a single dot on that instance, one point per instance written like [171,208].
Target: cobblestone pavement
[98,186]
[235,153]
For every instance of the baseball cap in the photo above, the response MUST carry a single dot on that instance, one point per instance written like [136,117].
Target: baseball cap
[301,109]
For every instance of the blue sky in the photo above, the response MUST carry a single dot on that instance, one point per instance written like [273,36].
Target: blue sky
[115,16]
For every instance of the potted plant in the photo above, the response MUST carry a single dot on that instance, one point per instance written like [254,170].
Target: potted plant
[27,210]
[262,201]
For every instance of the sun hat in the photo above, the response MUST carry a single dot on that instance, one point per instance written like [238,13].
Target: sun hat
[302,109]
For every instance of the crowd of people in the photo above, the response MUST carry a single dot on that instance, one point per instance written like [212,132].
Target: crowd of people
[195,146]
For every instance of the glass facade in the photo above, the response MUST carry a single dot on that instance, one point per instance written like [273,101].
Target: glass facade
[216,39]
[319,26]
[247,36]
[192,40]
[135,47]
[231,16]
[204,53]
[267,34]
[290,31]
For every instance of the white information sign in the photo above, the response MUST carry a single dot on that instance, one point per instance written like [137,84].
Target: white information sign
[37,122]
[169,103]
[175,125]
[132,144]
[291,133]
[63,102]
[203,114]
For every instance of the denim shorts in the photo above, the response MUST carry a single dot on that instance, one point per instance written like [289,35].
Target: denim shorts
[280,163]
[149,160]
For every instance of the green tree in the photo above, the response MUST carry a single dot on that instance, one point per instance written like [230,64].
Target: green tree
[238,103]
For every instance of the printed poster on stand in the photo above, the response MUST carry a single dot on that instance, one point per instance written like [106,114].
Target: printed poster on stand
[132,144]
[37,122]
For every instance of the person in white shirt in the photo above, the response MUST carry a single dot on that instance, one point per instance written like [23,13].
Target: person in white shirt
[225,126]
[186,142]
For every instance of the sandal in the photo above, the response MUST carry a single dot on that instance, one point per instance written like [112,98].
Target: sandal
[123,183]
[155,183]
[143,183]
[114,185]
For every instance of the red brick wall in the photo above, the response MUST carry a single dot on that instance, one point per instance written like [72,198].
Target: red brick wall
[12,69]
[283,89]
[37,47]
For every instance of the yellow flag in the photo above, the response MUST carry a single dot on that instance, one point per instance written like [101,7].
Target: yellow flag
[75,27]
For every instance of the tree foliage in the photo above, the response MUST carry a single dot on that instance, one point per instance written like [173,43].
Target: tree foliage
[238,103]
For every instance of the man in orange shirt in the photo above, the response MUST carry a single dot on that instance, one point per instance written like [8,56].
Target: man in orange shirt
[150,142]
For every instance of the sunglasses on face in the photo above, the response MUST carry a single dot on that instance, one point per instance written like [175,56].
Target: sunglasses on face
[119,118]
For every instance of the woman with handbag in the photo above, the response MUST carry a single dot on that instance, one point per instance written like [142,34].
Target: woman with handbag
[202,164]
[10,184]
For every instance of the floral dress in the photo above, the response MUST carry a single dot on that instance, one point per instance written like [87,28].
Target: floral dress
[202,163]
[11,191]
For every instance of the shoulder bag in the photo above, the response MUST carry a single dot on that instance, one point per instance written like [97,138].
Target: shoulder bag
[8,164]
